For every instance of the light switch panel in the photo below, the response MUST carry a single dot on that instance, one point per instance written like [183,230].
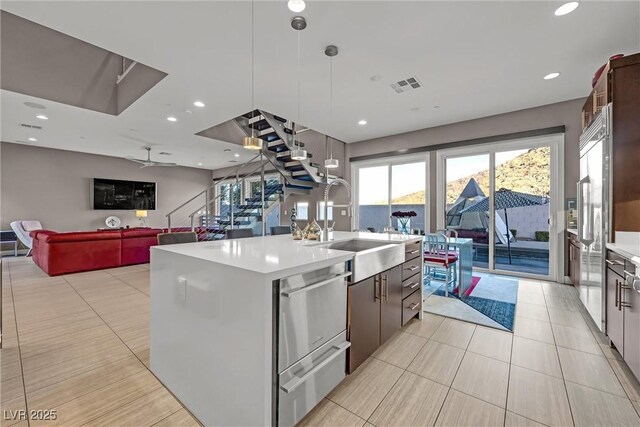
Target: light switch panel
[343,212]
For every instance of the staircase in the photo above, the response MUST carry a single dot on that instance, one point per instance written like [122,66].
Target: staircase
[296,177]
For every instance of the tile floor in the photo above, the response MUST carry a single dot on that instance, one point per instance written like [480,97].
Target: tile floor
[79,344]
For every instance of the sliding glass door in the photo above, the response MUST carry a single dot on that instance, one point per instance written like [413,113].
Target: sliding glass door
[503,196]
[388,186]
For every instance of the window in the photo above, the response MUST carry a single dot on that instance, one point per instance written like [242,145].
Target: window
[386,186]
[302,209]
[320,215]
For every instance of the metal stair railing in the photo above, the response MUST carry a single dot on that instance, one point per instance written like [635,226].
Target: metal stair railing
[206,193]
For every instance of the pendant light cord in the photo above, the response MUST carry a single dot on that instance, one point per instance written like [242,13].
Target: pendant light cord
[331,101]
[294,141]
[252,72]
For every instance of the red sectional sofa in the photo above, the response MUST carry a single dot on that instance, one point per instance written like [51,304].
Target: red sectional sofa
[62,253]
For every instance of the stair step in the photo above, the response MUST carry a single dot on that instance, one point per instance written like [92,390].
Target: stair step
[250,114]
[260,125]
[299,187]
[293,165]
[299,173]
[235,222]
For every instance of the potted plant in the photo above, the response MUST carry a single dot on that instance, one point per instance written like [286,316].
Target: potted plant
[514,233]
[403,220]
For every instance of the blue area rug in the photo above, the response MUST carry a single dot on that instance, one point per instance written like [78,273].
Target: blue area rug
[498,301]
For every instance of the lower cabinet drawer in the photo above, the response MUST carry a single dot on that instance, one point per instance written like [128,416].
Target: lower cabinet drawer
[411,268]
[410,285]
[411,306]
[412,250]
[308,381]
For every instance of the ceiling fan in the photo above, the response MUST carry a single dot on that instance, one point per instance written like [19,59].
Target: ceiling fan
[148,163]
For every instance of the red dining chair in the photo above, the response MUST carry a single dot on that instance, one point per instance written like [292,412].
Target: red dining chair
[438,257]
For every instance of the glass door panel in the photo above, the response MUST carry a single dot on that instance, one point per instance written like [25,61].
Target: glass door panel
[373,197]
[522,210]
[467,183]
[408,193]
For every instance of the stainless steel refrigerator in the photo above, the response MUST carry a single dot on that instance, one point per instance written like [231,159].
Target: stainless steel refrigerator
[594,214]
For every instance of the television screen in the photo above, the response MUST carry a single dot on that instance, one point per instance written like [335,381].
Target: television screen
[123,195]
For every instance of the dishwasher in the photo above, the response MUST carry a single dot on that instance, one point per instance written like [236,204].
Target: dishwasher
[310,343]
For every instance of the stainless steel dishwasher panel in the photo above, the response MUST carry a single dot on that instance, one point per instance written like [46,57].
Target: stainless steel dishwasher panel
[306,383]
[313,310]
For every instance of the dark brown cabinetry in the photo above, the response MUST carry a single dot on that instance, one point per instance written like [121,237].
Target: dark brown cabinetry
[619,84]
[390,303]
[379,305]
[623,310]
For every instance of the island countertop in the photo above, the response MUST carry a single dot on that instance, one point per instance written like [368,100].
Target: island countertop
[277,254]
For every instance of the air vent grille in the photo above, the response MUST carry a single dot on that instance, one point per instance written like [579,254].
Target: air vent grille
[164,153]
[406,85]
[27,125]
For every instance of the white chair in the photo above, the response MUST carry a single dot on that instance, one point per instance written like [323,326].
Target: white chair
[22,230]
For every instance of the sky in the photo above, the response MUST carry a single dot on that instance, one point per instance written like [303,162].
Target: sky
[410,178]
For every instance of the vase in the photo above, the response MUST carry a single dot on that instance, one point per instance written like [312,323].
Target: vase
[403,225]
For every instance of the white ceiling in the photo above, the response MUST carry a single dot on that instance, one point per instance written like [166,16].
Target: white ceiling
[474,59]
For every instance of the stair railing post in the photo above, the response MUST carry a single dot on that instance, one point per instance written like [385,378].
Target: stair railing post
[233,188]
[264,220]
[206,213]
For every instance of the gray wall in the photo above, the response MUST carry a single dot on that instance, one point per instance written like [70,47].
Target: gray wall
[53,186]
[566,113]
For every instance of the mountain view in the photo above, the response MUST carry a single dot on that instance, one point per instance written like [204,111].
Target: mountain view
[526,173]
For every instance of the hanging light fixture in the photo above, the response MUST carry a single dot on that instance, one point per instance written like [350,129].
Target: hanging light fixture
[298,153]
[252,142]
[331,163]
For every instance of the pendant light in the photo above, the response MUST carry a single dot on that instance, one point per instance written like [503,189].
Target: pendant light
[252,142]
[298,153]
[331,51]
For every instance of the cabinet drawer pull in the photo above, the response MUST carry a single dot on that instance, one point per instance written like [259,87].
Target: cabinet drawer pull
[316,285]
[298,381]
[413,268]
[618,293]
[414,306]
[614,262]
[412,285]
[627,273]
[413,252]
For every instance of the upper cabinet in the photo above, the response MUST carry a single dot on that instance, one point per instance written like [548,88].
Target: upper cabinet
[619,85]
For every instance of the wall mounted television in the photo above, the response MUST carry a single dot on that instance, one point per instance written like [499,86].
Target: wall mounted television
[115,194]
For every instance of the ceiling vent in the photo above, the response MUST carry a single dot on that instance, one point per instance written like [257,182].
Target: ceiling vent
[27,125]
[406,85]
[164,153]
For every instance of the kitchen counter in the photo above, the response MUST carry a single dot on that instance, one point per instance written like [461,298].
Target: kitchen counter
[224,313]
[573,231]
[627,245]
[276,256]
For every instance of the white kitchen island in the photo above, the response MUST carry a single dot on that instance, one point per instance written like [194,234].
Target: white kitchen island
[215,315]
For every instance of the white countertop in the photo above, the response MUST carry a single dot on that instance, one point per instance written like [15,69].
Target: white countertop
[274,254]
[627,245]
[573,231]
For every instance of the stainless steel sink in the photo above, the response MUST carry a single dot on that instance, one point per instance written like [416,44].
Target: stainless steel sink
[371,257]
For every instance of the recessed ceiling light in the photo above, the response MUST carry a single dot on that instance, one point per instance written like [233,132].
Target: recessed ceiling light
[567,8]
[551,76]
[296,5]
[42,117]
[362,122]
[436,106]
[199,104]
[199,164]
[375,77]
[236,155]
[172,119]
[32,139]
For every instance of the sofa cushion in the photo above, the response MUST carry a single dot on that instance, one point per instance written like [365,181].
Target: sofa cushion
[140,232]
[77,236]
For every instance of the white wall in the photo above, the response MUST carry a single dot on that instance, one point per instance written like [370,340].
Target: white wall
[53,186]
